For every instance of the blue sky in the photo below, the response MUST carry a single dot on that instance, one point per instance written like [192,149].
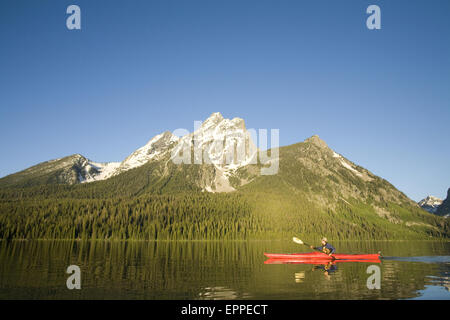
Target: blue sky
[380,98]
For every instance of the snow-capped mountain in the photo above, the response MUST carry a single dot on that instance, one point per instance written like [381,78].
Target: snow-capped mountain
[217,147]
[223,143]
[430,204]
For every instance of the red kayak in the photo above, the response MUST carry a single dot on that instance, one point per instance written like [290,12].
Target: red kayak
[316,261]
[321,256]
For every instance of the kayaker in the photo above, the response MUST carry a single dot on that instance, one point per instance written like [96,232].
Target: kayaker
[325,247]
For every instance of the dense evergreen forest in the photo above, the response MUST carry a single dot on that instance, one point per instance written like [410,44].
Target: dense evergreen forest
[143,218]
[191,216]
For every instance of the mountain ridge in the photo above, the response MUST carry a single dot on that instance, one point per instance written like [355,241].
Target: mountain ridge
[217,177]
[315,191]
[214,129]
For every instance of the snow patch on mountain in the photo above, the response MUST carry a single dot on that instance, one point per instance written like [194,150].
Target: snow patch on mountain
[345,164]
[95,171]
[349,167]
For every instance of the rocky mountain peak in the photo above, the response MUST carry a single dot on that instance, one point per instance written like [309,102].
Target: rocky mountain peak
[315,140]
[77,156]
[226,144]
[239,123]
[430,204]
[213,120]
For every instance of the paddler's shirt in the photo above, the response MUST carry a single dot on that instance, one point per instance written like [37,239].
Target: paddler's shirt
[327,246]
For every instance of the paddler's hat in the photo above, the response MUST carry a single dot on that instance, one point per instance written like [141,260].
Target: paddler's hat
[324,239]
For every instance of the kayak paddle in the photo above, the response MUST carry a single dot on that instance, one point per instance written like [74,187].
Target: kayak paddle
[297,240]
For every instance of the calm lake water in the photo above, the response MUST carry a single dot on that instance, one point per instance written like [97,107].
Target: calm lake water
[217,270]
